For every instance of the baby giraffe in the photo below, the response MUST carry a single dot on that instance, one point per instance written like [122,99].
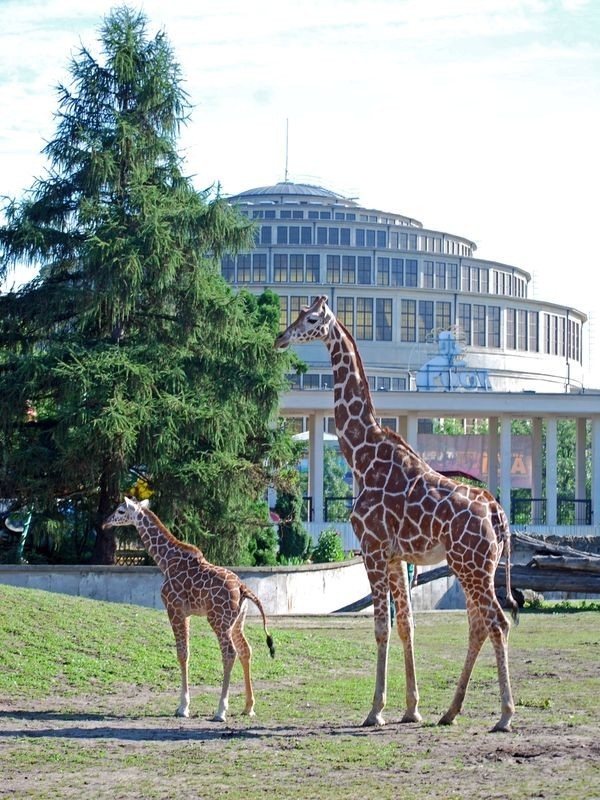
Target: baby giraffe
[193,586]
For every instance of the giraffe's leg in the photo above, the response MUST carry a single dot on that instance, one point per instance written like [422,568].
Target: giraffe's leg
[486,618]
[381,614]
[244,652]
[477,636]
[228,655]
[404,623]
[181,629]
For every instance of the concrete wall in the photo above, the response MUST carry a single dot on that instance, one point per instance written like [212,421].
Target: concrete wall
[311,589]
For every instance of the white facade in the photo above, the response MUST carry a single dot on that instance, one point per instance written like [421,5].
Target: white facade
[396,285]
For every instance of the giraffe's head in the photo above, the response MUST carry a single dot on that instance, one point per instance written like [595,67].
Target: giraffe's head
[314,322]
[125,514]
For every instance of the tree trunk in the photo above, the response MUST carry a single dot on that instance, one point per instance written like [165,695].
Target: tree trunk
[105,546]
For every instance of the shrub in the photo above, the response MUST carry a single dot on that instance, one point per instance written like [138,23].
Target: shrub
[329,547]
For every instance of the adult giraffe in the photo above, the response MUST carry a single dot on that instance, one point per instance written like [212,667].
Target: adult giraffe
[406,511]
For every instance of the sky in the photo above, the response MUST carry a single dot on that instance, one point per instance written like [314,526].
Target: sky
[477,117]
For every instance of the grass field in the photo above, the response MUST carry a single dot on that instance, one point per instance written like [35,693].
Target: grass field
[88,691]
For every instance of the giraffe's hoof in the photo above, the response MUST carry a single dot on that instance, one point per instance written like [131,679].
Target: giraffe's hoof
[219,718]
[249,712]
[374,721]
[182,712]
[447,719]
[501,727]
[414,717]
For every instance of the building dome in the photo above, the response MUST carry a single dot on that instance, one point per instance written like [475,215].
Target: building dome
[288,190]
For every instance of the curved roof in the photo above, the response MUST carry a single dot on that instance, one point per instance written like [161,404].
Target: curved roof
[294,189]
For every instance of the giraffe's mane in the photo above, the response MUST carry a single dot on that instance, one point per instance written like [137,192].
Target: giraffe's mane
[359,364]
[167,533]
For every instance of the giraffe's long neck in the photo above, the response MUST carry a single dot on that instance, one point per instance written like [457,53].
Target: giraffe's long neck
[158,541]
[353,409]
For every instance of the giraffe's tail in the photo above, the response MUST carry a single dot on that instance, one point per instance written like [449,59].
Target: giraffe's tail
[251,596]
[512,603]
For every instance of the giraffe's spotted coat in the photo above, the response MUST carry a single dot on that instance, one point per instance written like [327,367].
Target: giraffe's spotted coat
[194,586]
[406,511]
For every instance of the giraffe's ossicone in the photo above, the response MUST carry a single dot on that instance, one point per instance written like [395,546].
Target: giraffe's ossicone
[405,511]
[194,586]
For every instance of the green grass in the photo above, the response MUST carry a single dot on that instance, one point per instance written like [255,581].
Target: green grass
[88,689]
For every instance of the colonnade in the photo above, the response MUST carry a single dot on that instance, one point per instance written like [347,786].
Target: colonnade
[499,447]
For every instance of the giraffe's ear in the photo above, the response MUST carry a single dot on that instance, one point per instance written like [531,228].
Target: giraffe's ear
[144,503]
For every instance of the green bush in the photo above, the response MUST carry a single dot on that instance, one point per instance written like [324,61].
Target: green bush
[329,547]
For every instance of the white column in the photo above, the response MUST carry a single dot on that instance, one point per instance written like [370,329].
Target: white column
[505,462]
[492,466]
[551,470]
[537,491]
[412,424]
[580,441]
[315,464]
[596,470]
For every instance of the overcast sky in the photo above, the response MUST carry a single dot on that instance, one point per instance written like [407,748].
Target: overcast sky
[477,117]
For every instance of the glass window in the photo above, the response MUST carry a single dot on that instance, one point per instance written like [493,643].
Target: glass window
[370,238]
[443,315]
[297,303]
[298,214]
[381,239]
[452,277]
[428,274]
[345,236]
[360,237]
[383,271]
[383,319]
[265,234]
[479,325]
[333,269]
[294,234]
[313,269]
[493,315]
[244,268]
[348,269]
[484,280]
[280,268]
[410,272]
[364,270]
[511,332]
[228,268]
[313,215]
[321,235]
[425,320]
[533,331]
[403,241]
[306,234]
[397,276]
[364,317]
[464,321]
[345,312]
[440,274]
[282,234]
[283,313]
[270,214]
[311,381]
[296,268]
[408,321]
[334,235]
[259,267]
[399,384]
[521,329]
[324,214]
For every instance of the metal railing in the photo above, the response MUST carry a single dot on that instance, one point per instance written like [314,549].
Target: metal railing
[533,511]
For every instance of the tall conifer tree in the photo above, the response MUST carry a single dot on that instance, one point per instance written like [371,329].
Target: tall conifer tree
[131,352]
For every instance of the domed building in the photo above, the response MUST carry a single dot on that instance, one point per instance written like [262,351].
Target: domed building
[442,333]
